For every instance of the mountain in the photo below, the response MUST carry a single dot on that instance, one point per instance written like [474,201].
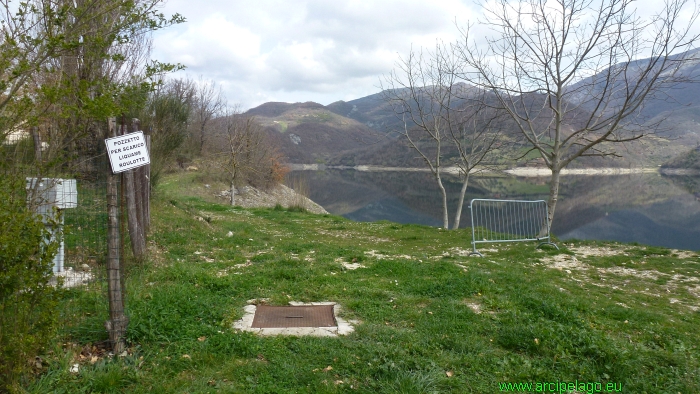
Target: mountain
[359,131]
[309,132]
[676,109]
[372,111]
[687,160]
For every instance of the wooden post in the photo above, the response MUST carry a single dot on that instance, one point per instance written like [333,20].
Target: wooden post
[118,322]
[138,243]
[122,203]
[140,189]
[147,201]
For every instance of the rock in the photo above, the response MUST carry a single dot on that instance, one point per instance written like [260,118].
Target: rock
[250,197]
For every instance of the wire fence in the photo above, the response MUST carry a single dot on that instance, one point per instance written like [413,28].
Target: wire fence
[76,211]
[68,188]
[82,273]
[509,221]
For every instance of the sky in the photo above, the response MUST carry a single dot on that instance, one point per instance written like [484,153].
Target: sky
[303,50]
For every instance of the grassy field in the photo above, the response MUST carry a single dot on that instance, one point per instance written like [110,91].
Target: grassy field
[431,318]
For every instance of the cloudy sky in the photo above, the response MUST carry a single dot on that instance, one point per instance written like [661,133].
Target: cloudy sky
[303,50]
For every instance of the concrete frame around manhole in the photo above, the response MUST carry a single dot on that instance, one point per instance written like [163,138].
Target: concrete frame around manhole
[344,327]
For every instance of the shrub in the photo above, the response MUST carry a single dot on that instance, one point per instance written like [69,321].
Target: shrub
[28,302]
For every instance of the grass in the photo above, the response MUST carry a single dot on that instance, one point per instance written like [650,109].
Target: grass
[432,319]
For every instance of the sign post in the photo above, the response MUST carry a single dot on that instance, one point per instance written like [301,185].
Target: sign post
[127,152]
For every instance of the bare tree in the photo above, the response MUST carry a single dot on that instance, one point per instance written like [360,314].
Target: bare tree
[208,103]
[573,75]
[243,153]
[477,134]
[442,118]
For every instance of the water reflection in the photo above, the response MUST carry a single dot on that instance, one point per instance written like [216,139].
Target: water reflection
[645,208]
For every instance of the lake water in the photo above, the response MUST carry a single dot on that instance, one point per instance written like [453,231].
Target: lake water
[646,208]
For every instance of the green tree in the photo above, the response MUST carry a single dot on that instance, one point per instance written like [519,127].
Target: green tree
[27,300]
[165,117]
[65,67]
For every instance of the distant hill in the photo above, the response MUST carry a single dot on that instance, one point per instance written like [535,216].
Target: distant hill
[372,111]
[676,110]
[687,160]
[309,132]
[275,109]
[360,131]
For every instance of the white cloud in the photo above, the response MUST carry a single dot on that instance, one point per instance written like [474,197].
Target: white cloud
[304,50]
[313,50]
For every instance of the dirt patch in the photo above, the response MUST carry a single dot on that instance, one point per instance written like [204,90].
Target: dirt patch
[596,251]
[694,291]
[380,256]
[644,274]
[459,251]
[564,262]
[475,307]
[352,235]
[684,254]
[227,271]
[349,266]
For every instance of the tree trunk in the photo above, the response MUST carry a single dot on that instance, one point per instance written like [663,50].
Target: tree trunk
[460,203]
[445,216]
[37,144]
[233,188]
[134,212]
[117,323]
[138,244]
[553,197]
[201,140]
[139,190]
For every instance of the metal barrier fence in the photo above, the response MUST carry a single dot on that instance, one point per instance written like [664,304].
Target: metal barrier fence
[509,221]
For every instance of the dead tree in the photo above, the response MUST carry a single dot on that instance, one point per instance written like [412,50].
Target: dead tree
[242,151]
[442,118]
[573,75]
[207,104]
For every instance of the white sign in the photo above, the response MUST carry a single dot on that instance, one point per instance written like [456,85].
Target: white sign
[127,152]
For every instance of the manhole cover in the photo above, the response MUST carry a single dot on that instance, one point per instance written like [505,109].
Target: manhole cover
[294,316]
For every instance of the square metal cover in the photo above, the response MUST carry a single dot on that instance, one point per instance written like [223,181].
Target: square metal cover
[294,316]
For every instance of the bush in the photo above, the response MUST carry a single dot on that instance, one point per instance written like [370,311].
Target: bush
[28,303]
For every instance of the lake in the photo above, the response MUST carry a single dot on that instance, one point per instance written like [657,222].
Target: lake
[646,208]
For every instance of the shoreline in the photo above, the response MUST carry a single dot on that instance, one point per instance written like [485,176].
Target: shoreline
[516,171]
